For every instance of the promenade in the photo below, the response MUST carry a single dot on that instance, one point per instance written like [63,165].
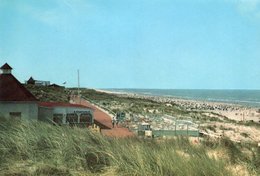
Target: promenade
[104,120]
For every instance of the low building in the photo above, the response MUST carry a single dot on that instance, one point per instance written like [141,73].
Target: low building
[66,113]
[56,86]
[30,81]
[16,101]
[37,82]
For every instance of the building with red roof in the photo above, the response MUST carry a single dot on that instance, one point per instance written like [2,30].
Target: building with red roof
[66,113]
[18,103]
[15,100]
[104,121]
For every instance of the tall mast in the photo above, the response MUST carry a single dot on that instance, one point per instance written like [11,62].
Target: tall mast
[78,82]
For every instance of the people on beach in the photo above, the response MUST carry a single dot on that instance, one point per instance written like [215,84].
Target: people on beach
[113,121]
[117,121]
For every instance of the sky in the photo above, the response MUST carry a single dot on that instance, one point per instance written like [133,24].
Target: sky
[163,44]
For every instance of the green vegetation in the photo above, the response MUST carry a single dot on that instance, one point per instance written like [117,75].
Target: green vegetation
[250,123]
[130,105]
[43,149]
[256,160]
[244,135]
[212,127]
[49,94]
[115,103]
[35,148]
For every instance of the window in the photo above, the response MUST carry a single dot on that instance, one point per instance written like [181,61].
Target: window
[72,118]
[86,118]
[57,118]
[15,115]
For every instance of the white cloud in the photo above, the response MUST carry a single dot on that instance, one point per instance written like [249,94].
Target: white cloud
[249,8]
[48,16]
[60,15]
[248,5]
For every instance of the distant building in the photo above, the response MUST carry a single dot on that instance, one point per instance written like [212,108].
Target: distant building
[37,82]
[56,86]
[15,100]
[30,81]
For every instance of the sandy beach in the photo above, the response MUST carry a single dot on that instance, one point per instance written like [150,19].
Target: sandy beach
[231,111]
[237,122]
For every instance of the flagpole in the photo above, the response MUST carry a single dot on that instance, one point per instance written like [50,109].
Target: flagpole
[78,88]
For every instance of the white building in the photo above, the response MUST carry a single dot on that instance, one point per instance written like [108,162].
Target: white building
[66,113]
[15,100]
[37,82]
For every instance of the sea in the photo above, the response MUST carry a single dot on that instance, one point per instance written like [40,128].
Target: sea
[242,97]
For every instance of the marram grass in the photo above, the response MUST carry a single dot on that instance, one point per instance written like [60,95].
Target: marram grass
[36,148]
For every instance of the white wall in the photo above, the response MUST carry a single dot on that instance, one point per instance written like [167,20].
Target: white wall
[70,110]
[46,114]
[29,110]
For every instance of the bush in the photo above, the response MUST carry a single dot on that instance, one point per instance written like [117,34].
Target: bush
[244,135]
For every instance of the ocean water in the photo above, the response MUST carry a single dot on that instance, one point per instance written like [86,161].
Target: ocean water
[242,97]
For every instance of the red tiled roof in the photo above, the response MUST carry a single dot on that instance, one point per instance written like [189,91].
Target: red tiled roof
[12,90]
[103,120]
[6,66]
[60,104]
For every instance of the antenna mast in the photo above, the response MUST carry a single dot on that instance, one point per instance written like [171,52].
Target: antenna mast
[78,84]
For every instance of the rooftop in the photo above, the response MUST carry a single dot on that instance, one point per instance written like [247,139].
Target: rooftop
[103,119]
[6,66]
[11,89]
[60,104]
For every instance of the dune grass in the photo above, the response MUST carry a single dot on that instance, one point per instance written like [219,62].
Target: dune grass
[35,148]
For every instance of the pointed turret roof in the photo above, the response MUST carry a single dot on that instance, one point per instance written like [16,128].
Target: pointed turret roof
[6,66]
[31,79]
[12,90]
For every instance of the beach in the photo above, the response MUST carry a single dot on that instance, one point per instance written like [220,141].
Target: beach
[216,119]
[231,111]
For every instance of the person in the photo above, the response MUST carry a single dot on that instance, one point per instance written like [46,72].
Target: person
[113,122]
[117,121]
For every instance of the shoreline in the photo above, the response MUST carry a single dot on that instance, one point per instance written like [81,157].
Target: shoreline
[240,103]
[232,111]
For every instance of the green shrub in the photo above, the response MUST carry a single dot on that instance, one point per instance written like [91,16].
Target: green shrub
[244,135]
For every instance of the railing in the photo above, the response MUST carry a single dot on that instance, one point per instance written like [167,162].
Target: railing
[100,106]
[194,133]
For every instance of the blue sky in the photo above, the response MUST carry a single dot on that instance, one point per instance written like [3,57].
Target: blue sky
[170,44]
